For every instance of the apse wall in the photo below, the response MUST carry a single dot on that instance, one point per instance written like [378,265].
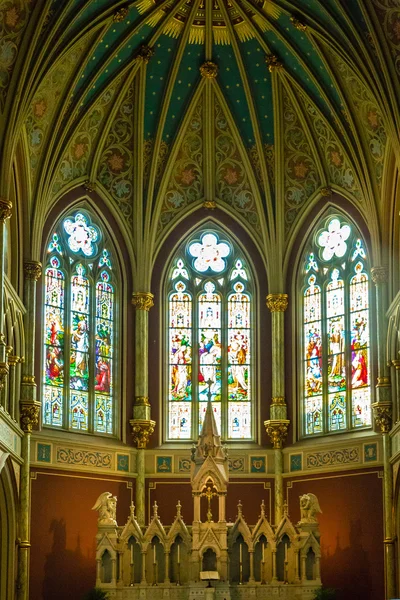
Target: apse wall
[64,527]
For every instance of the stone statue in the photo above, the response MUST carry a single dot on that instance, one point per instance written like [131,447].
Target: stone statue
[309,507]
[106,505]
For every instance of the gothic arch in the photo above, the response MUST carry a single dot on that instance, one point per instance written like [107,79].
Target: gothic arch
[8,529]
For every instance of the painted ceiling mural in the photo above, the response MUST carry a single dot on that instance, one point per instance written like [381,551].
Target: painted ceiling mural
[259,107]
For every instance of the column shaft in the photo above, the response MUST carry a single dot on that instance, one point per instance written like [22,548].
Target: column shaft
[5,213]
[24,510]
[278,424]
[278,456]
[383,412]
[140,487]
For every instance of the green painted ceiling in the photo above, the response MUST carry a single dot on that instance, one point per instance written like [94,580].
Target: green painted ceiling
[244,32]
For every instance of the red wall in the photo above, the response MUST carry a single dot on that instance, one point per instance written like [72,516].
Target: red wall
[64,526]
[351,527]
[63,530]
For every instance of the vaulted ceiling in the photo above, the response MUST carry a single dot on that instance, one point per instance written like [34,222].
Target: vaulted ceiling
[164,107]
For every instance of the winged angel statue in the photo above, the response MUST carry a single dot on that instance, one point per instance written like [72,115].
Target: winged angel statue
[106,505]
[309,507]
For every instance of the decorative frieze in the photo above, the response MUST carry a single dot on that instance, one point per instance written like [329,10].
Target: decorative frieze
[236,464]
[84,458]
[333,458]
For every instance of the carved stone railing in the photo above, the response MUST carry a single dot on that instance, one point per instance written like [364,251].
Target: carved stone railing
[14,341]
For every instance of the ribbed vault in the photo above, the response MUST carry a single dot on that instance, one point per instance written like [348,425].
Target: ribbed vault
[258,107]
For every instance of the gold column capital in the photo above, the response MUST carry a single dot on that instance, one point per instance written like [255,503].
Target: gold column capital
[396,363]
[5,209]
[277,302]
[383,415]
[142,300]
[33,270]
[141,431]
[29,415]
[379,275]
[277,430]
[13,360]
[209,70]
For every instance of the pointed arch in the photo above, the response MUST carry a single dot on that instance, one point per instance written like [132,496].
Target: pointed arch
[80,305]
[333,316]
[210,293]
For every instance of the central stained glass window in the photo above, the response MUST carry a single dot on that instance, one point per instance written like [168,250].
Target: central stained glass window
[79,321]
[336,325]
[210,306]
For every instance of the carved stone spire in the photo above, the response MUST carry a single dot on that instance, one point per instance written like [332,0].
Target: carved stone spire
[209,443]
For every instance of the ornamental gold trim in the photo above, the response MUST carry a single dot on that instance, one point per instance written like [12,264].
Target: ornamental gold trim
[142,401]
[326,192]
[5,209]
[141,431]
[274,63]
[89,186]
[209,70]
[142,300]
[279,401]
[383,415]
[13,360]
[145,53]
[277,431]
[379,275]
[209,204]
[299,25]
[277,302]
[33,270]
[120,14]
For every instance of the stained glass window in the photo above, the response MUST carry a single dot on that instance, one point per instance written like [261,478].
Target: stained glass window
[79,321]
[209,338]
[336,337]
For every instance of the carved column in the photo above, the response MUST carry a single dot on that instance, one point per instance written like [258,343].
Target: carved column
[5,213]
[166,560]
[383,419]
[29,418]
[277,426]
[396,407]
[143,568]
[251,555]
[274,577]
[142,425]
[13,361]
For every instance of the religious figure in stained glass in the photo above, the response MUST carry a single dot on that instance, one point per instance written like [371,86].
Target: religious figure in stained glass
[337,392]
[209,322]
[78,329]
